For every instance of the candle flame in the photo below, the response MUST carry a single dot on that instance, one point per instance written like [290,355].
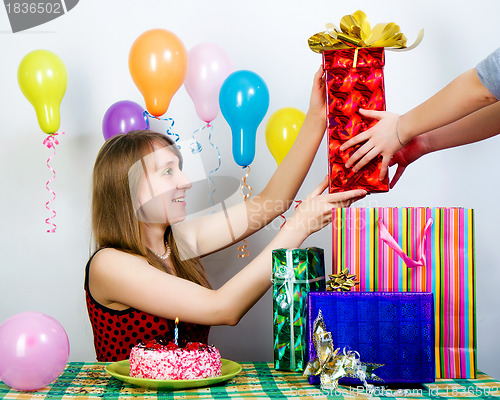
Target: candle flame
[176,320]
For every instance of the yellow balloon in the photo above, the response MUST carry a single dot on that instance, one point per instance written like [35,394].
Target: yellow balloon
[42,78]
[282,129]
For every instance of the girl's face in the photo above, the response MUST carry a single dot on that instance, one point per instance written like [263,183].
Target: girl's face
[160,196]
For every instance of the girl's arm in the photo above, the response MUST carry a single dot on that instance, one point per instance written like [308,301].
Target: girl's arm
[213,232]
[121,278]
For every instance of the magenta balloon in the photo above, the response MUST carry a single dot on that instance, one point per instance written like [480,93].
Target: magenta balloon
[208,67]
[122,117]
[34,350]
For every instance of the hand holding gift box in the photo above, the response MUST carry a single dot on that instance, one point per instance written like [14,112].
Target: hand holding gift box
[353,59]
[463,112]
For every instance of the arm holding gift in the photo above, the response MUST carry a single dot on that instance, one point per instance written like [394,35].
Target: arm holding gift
[252,215]
[475,127]
[125,279]
[445,119]
[143,268]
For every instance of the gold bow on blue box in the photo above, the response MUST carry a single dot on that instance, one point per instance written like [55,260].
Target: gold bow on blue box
[342,282]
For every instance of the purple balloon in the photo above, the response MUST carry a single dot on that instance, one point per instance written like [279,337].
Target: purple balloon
[34,350]
[122,117]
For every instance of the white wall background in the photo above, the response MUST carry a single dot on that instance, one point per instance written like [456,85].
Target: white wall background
[44,272]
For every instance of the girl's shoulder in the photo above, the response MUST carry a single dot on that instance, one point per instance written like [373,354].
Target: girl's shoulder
[108,269]
[109,257]
[106,252]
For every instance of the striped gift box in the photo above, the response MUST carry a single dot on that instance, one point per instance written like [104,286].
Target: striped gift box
[446,252]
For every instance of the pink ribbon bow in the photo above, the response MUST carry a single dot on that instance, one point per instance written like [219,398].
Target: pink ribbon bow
[391,242]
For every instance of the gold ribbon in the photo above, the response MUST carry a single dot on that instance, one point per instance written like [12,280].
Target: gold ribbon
[332,364]
[243,249]
[355,31]
[342,282]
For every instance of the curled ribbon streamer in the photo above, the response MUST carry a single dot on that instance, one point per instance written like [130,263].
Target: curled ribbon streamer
[391,242]
[284,222]
[51,142]
[145,116]
[196,146]
[218,165]
[246,185]
[299,202]
[169,132]
[355,31]
[242,249]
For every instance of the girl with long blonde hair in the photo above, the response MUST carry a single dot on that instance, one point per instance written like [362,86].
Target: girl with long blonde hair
[146,270]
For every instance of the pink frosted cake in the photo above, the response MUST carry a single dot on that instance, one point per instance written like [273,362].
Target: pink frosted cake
[154,360]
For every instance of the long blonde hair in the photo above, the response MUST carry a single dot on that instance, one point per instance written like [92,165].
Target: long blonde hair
[114,220]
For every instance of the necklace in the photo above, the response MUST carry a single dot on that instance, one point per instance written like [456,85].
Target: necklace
[165,255]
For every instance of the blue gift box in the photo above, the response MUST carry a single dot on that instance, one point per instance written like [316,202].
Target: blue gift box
[391,328]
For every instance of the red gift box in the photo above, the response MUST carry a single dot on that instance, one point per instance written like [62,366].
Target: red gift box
[354,80]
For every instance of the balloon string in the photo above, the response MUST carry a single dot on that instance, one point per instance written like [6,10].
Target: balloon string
[51,142]
[169,129]
[210,195]
[284,221]
[145,116]
[299,202]
[245,185]
[195,145]
[196,148]
[242,249]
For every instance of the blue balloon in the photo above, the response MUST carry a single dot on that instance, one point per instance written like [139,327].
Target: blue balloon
[244,100]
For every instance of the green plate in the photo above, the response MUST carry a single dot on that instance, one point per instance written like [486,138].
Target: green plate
[120,370]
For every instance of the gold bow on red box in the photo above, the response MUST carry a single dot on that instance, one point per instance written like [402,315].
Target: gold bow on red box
[355,31]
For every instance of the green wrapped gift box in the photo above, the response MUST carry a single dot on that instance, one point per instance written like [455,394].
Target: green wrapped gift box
[296,272]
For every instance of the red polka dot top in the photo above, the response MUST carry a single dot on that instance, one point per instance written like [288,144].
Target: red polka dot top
[116,332]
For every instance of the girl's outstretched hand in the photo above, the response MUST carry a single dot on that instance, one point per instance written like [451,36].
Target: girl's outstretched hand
[317,102]
[382,138]
[315,212]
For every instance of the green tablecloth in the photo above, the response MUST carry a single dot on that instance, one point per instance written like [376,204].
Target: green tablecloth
[82,380]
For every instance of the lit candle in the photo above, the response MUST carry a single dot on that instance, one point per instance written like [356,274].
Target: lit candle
[176,335]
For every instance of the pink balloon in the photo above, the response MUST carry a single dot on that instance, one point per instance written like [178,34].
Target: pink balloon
[208,67]
[34,350]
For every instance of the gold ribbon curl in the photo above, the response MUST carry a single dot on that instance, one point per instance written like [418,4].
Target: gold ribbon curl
[342,282]
[355,31]
[243,249]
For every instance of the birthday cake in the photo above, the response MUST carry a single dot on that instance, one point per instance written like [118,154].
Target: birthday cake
[155,360]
